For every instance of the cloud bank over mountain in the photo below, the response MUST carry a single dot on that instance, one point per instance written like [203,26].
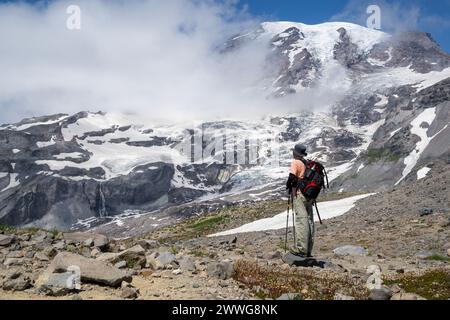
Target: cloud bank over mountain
[158,59]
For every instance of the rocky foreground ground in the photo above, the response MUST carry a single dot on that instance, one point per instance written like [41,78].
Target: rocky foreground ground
[400,238]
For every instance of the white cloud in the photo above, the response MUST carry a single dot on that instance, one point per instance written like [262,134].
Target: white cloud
[153,57]
[158,59]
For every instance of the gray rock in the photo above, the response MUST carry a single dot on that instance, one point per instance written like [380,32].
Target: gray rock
[20,284]
[290,297]
[407,296]
[16,281]
[149,244]
[129,293]
[15,254]
[60,245]
[50,252]
[177,272]
[134,256]
[58,284]
[426,212]
[92,271]
[222,270]
[342,297]
[424,255]
[187,264]
[121,265]
[108,257]
[85,252]
[380,294]
[350,251]
[161,261]
[5,240]
[95,253]
[100,241]
[41,257]
[24,237]
[89,242]
[273,255]
[13,262]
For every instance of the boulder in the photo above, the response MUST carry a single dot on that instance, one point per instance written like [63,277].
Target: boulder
[92,271]
[129,293]
[60,245]
[407,296]
[13,262]
[350,251]
[89,242]
[100,241]
[41,257]
[5,240]
[95,253]
[448,252]
[222,270]
[380,294]
[59,284]
[107,257]
[134,256]
[16,254]
[166,258]
[186,264]
[16,281]
[159,261]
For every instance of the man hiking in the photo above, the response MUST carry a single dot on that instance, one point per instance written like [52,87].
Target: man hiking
[303,208]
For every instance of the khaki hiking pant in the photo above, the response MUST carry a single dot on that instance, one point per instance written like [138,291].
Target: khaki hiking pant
[304,225]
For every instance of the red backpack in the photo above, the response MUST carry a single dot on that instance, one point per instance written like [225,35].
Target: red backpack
[315,180]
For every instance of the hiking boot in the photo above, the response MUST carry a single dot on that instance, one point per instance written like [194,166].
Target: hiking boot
[298,253]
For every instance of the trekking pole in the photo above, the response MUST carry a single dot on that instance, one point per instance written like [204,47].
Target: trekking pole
[318,213]
[293,217]
[287,224]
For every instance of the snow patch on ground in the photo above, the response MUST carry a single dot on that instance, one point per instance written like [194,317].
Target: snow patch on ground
[400,77]
[422,173]
[73,155]
[428,116]
[383,102]
[13,182]
[393,133]
[327,210]
[44,144]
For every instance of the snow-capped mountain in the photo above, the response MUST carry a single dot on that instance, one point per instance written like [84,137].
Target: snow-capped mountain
[388,125]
